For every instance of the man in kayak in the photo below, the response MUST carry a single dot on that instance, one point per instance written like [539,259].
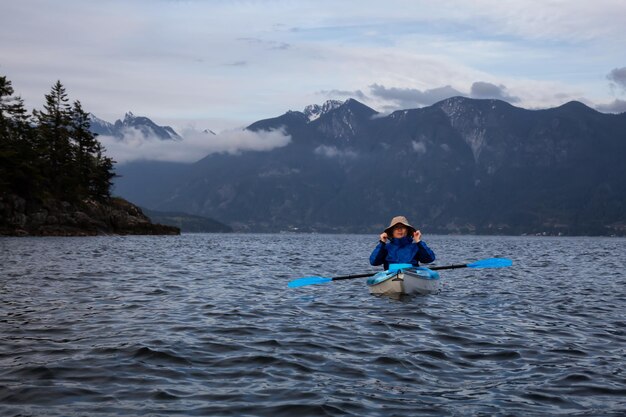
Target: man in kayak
[401,243]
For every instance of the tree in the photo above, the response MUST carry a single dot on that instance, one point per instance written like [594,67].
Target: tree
[84,146]
[100,187]
[93,169]
[17,156]
[59,157]
[54,126]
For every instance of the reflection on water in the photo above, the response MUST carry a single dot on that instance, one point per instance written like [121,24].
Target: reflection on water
[205,325]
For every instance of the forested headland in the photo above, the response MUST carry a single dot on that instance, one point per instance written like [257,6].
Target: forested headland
[55,178]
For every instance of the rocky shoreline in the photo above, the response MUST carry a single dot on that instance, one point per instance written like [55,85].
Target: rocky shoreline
[51,217]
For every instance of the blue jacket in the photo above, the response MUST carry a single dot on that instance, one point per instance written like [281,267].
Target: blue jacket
[401,251]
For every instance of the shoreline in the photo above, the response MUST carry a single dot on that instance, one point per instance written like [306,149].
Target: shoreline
[21,217]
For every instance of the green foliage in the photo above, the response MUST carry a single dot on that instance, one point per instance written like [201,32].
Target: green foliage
[53,153]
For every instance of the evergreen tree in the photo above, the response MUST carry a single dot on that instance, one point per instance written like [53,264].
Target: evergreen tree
[84,147]
[100,187]
[93,169]
[54,125]
[17,156]
[59,157]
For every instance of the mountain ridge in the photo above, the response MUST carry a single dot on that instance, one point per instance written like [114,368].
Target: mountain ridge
[141,124]
[459,166]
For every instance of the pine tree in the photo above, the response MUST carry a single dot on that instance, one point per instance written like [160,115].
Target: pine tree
[54,127]
[93,169]
[17,156]
[84,149]
[100,187]
[59,157]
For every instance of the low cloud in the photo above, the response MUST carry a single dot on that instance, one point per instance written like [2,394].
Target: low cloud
[195,145]
[405,98]
[481,89]
[617,76]
[344,94]
[334,152]
[617,106]
[419,147]
[411,97]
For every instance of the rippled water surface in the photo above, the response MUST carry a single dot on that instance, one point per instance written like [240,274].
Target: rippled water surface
[205,325]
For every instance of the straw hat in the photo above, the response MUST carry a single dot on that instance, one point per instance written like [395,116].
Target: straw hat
[399,220]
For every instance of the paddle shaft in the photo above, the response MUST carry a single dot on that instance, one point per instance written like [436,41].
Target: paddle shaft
[354,276]
[434,268]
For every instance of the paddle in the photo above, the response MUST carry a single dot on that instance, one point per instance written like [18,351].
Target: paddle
[485,263]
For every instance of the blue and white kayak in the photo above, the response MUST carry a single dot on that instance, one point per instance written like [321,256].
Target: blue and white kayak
[413,280]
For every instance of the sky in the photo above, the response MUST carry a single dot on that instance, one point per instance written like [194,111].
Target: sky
[222,65]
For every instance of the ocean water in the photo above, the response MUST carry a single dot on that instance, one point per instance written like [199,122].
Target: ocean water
[204,324]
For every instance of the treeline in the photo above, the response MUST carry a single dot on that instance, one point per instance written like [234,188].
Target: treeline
[50,153]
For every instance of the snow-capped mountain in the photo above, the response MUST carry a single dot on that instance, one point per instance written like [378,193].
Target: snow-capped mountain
[333,121]
[314,111]
[101,127]
[132,125]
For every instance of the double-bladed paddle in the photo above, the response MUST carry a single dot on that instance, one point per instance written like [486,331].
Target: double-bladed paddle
[485,263]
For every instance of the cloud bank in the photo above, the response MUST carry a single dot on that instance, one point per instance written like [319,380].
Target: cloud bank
[358,94]
[195,145]
[225,64]
[405,98]
[411,97]
[617,76]
[617,106]
[481,89]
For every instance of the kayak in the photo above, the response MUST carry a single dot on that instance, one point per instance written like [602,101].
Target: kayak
[415,280]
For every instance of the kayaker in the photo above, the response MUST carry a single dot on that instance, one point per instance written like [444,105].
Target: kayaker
[401,243]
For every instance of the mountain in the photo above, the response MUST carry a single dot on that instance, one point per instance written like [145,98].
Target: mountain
[314,111]
[131,124]
[101,127]
[459,166]
[187,223]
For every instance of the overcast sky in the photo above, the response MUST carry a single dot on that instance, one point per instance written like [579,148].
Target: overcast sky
[225,64]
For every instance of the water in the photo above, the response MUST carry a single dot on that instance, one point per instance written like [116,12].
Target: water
[205,325]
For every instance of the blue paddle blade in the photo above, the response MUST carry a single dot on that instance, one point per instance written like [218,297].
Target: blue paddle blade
[301,282]
[491,263]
